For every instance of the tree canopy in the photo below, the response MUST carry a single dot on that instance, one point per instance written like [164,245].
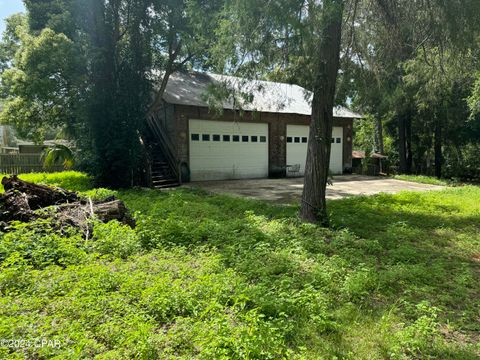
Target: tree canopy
[89,69]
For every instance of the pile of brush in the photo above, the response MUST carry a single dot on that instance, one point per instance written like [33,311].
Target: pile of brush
[25,201]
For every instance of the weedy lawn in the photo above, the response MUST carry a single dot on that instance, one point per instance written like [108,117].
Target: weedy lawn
[215,277]
[422,179]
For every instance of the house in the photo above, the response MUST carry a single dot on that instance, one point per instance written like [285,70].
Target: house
[261,130]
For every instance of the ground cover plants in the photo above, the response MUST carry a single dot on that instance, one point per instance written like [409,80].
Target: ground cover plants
[214,277]
[422,179]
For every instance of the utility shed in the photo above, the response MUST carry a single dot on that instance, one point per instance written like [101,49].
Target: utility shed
[256,129]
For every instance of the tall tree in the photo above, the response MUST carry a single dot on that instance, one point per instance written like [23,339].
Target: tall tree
[10,41]
[326,23]
[119,91]
[101,80]
[41,84]
[388,35]
[297,41]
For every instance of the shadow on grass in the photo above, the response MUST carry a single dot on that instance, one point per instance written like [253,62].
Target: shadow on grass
[388,253]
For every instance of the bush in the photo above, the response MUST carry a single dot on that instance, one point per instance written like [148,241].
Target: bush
[99,193]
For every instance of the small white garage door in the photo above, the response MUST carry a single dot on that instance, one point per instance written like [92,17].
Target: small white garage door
[221,150]
[297,139]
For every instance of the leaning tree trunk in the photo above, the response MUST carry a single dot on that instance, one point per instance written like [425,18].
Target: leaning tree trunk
[314,207]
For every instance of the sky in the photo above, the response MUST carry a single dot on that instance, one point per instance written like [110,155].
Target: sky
[7,8]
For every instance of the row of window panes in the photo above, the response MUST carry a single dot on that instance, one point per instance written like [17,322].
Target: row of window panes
[304,140]
[253,138]
[297,139]
[228,138]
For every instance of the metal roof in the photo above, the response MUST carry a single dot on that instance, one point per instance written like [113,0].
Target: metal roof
[378,156]
[195,89]
[358,154]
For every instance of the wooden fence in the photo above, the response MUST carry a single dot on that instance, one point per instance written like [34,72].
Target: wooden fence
[24,163]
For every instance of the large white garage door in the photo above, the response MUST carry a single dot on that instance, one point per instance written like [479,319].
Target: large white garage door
[297,139]
[222,150]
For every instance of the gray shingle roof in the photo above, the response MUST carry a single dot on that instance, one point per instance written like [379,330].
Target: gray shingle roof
[265,96]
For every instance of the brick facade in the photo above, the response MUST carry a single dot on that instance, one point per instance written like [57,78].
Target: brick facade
[177,121]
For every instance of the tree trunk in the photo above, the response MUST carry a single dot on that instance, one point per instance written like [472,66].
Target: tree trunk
[379,135]
[402,146]
[408,143]
[163,86]
[438,148]
[37,196]
[313,207]
[78,214]
[174,51]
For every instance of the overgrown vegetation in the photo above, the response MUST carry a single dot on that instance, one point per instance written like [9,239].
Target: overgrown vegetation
[422,179]
[211,277]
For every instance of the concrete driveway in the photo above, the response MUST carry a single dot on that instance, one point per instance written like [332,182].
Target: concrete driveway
[285,191]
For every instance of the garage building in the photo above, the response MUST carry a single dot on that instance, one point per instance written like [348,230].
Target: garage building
[255,129]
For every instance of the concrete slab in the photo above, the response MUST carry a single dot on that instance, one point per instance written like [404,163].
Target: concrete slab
[289,190]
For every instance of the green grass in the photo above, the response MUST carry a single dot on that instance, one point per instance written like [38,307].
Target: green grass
[424,179]
[70,180]
[215,277]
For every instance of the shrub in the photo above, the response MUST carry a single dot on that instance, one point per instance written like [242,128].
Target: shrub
[14,274]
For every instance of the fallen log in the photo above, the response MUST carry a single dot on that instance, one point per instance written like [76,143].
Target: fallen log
[14,206]
[113,210]
[77,214]
[38,196]
[25,201]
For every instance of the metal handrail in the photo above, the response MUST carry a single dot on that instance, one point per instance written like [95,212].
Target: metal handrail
[166,145]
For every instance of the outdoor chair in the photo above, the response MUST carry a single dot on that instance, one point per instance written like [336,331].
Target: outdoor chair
[293,169]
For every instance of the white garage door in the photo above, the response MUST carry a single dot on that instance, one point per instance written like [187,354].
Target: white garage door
[297,138]
[222,150]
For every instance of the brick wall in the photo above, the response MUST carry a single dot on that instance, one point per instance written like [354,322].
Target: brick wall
[277,128]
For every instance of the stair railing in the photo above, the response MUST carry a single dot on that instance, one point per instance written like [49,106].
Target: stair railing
[147,161]
[166,145]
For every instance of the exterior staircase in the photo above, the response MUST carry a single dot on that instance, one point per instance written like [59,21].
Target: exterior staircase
[164,167]
[162,175]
